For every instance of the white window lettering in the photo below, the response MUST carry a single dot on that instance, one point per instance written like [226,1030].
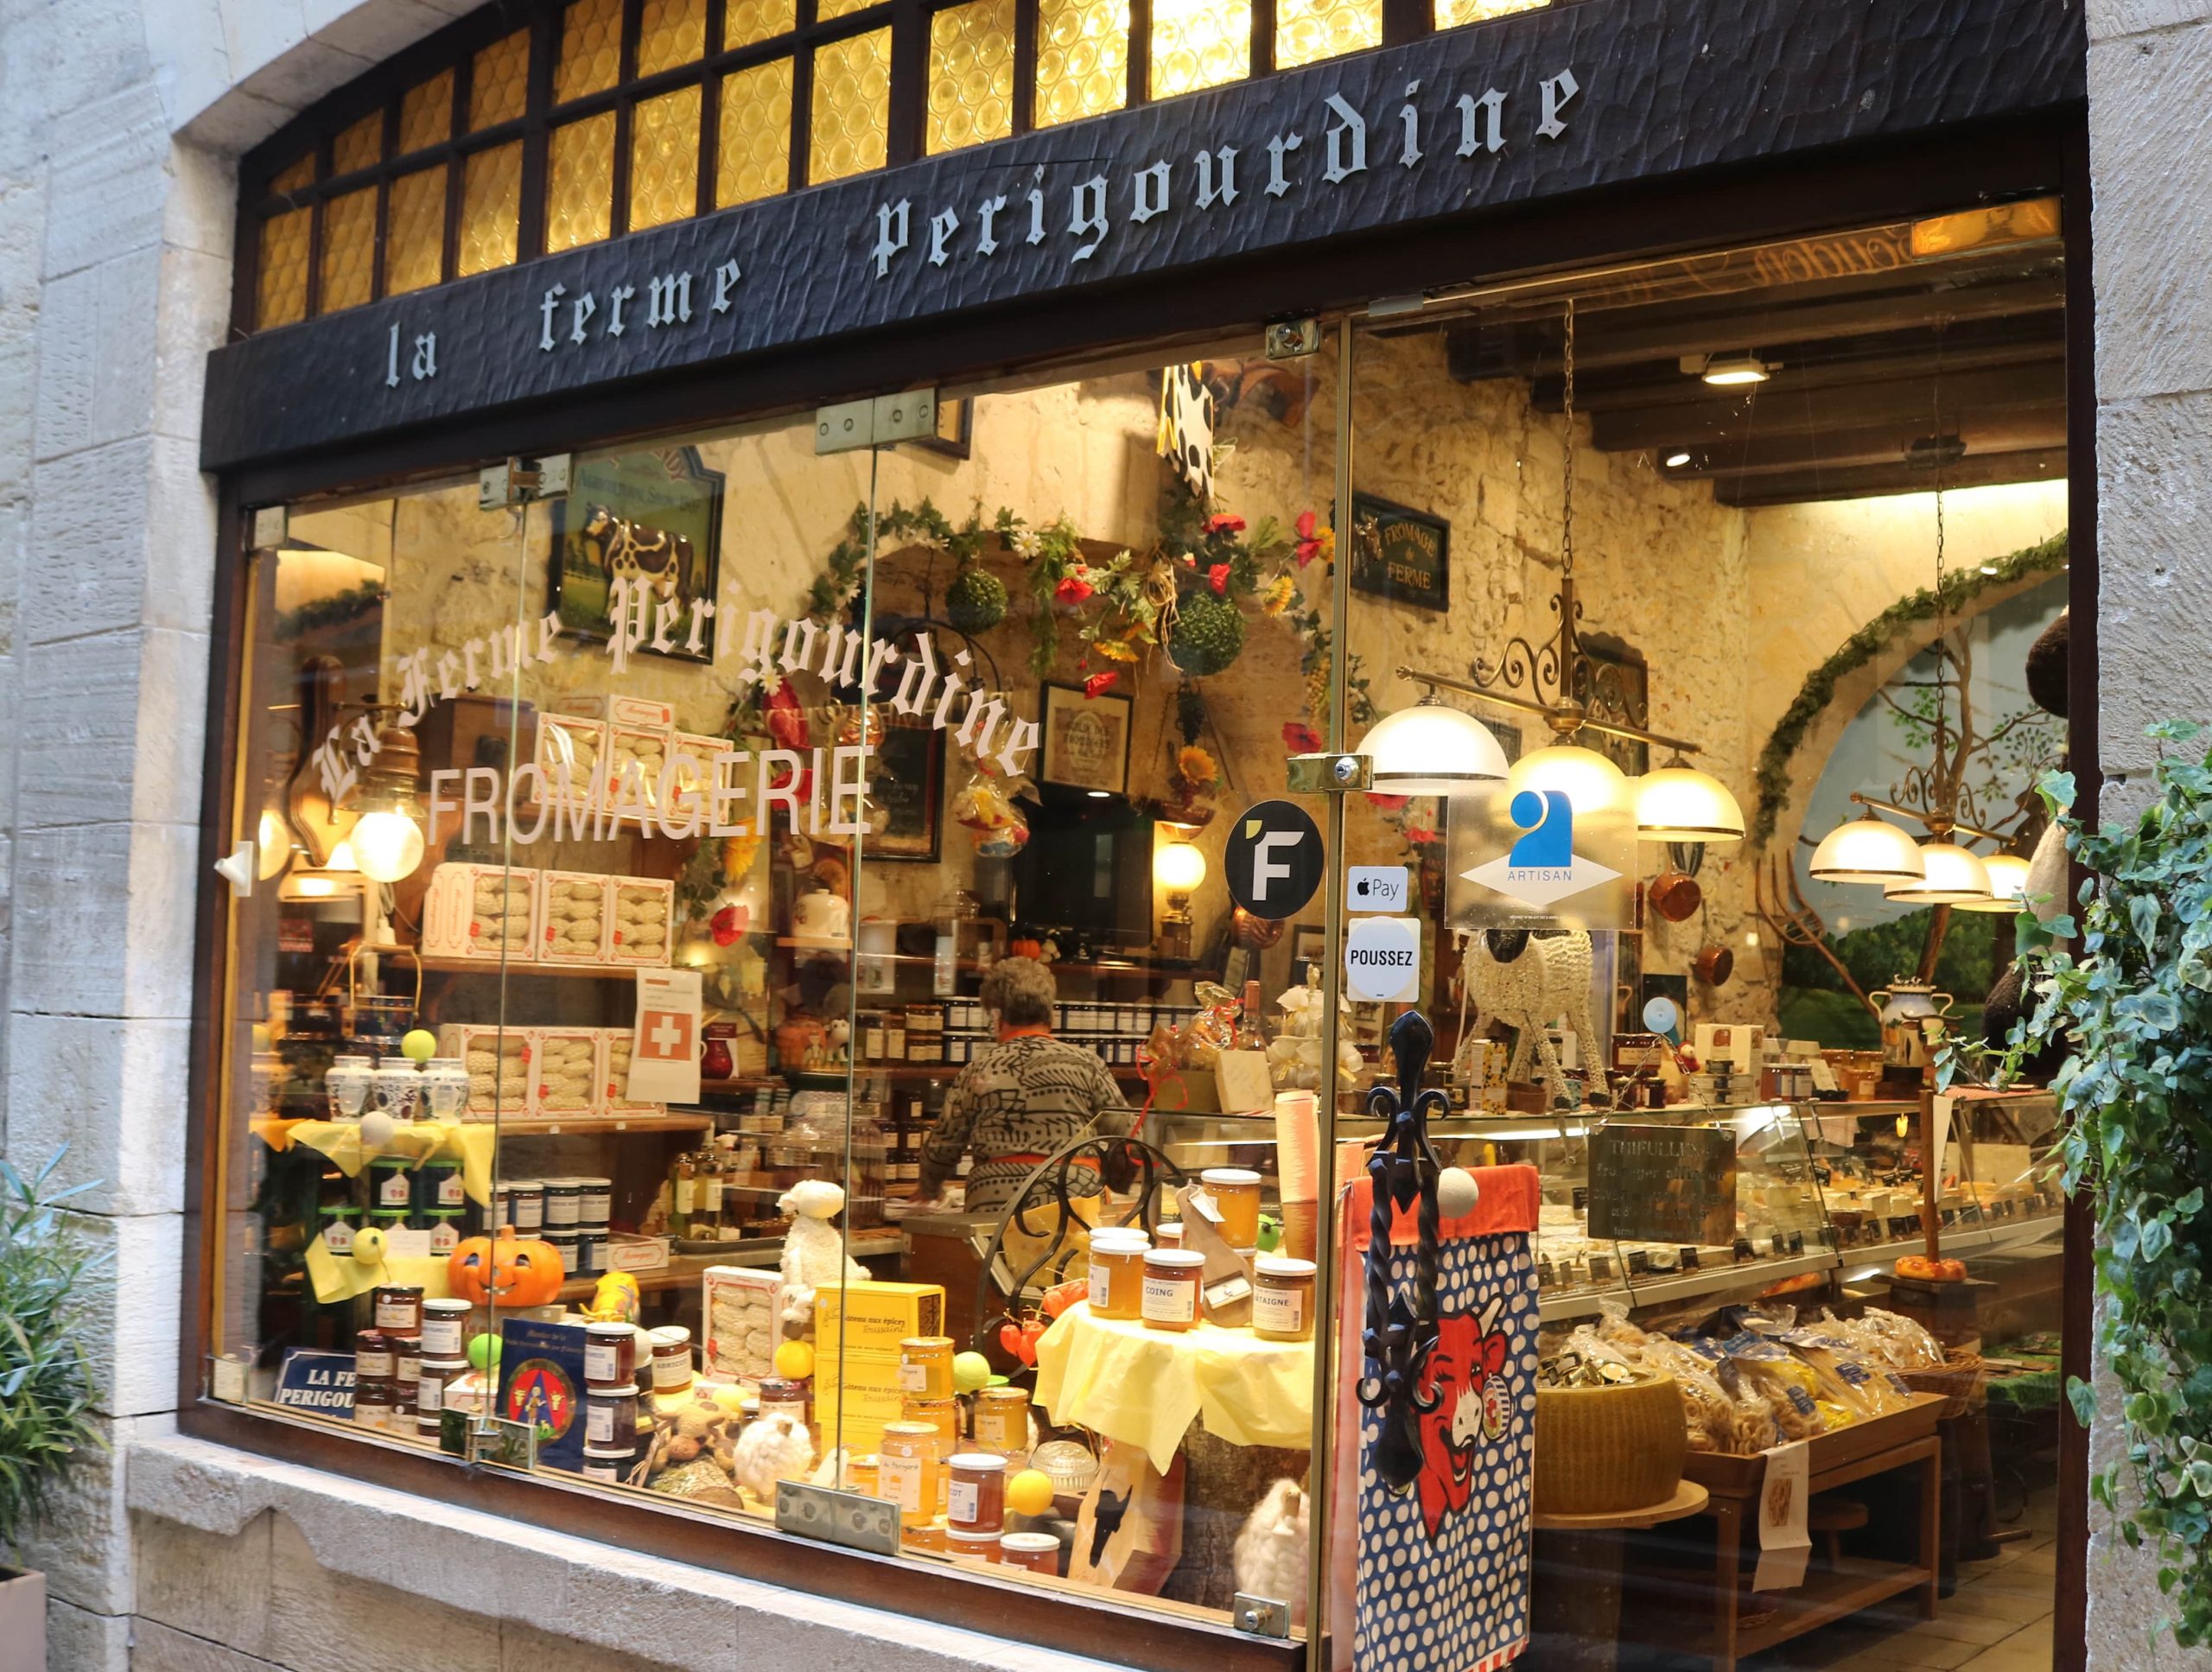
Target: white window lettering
[426,356]
[671,301]
[986,212]
[442,779]
[549,630]
[841,651]
[666,616]
[702,611]
[798,644]
[1087,215]
[918,679]
[1037,210]
[1409,117]
[728,787]
[337,774]
[943,714]
[1225,193]
[1021,737]
[392,358]
[726,278]
[580,310]
[617,299]
[943,225]
[545,312]
[848,789]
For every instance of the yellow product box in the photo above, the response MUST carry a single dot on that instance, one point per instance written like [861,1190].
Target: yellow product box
[862,1391]
[874,1318]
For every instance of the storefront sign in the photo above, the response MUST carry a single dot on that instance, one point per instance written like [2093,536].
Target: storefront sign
[1559,101]
[1663,1184]
[1383,959]
[1273,858]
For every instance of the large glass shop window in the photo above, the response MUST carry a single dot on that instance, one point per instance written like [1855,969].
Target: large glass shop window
[741,984]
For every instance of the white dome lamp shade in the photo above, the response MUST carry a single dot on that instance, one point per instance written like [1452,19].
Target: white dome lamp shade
[1954,876]
[1868,849]
[2008,886]
[1590,783]
[1431,748]
[1680,804]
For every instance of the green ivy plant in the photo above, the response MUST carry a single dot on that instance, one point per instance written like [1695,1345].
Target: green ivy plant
[1960,587]
[2132,1003]
[47,1416]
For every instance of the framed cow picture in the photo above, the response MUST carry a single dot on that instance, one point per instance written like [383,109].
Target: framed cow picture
[650,516]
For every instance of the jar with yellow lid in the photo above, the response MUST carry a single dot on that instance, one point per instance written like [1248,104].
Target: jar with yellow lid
[907,1470]
[1117,1273]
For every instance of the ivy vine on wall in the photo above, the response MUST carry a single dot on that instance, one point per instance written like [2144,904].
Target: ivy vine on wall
[1959,589]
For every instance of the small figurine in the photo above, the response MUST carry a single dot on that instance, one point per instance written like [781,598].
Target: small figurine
[772,1448]
[813,1252]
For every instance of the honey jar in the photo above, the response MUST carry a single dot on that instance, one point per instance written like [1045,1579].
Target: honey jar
[445,1328]
[1170,1288]
[975,1499]
[1236,1193]
[1002,1416]
[1117,1273]
[907,1470]
[971,1549]
[926,1366]
[1169,1233]
[942,1415]
[1282,1299]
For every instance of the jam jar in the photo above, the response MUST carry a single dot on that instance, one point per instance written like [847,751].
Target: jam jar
[1117,1273]
[371,1357]
[672,1358]
[397,1309]
[445,1329]
[777,1394]
[1236,1193]
[610,1356]
[1282,1299]
[974,1498]
[1038,1553]
[611,1418]
[1170,1288]
[373,1404]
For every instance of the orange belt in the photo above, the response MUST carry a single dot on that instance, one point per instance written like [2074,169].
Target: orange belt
[1030,1159]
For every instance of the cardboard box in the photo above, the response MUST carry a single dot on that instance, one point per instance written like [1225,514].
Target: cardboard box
[740,1321]
[481,911]
[1743,1044]
[636,756]
[497,1060]
[568,1071]
[875,1317]
[641,928]
[575,916]
[863,1394]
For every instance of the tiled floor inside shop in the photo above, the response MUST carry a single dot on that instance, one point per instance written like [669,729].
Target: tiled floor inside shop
[1997,1620]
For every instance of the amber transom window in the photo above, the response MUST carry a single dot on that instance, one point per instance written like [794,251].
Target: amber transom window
[513,135]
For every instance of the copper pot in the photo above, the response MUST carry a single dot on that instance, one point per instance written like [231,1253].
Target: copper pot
[1713,965]
[1675,895]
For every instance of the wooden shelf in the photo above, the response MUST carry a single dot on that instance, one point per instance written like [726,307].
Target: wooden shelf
[684,1269]
[562,1126]
[453,966]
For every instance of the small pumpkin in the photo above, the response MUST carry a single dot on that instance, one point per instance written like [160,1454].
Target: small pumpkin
[505,1270]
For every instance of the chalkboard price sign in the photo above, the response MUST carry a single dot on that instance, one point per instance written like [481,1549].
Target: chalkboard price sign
[1663,1184]
[1398,552]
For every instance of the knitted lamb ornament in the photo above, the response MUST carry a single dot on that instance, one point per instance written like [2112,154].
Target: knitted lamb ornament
[1269,1559]
[813,1252]
[772,1448]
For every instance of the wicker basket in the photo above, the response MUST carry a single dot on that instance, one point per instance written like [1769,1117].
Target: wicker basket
[1605,1451]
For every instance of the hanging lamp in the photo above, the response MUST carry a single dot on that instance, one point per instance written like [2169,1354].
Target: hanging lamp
[1678,803]
[1431,748]
[1868,849]
[2008,886]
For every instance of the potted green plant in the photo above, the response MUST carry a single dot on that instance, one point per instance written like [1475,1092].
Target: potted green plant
[2129,1002]
[45,1382]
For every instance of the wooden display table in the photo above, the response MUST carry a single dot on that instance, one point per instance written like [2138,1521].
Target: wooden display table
[1903,1440]
[1574,1605]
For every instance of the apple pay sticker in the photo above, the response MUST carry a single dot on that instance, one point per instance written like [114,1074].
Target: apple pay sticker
[1375,888]
[1383,959]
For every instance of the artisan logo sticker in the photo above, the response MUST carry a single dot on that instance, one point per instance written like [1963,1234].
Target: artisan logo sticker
[1541,867]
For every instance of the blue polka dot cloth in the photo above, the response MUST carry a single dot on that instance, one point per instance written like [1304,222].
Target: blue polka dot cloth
[1442,1578]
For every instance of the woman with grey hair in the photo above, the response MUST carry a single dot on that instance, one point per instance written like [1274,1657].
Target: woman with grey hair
[1022,1099]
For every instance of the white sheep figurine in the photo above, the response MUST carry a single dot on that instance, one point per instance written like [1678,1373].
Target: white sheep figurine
[813,1252]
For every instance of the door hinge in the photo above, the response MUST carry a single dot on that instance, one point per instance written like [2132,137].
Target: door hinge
[1293,340]
[1328,775]
[877,422]
[1259,1617]
[514,482]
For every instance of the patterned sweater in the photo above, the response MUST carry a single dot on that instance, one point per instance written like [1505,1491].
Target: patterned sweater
[1024,1097]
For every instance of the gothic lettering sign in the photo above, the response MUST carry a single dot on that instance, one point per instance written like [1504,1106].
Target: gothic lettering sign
[1529,108]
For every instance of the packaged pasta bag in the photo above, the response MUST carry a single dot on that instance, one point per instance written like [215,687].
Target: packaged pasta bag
[1612,1326]
[1803,1409]
[1886,1338]
[1868,1389]
[1707,1411]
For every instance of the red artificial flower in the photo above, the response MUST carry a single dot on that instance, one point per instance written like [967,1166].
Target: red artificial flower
[786,719]
[728,924]
[1421,833]
[1218,578]
[1223,522]
[1100,681]
[1312,538]
[1072,588]
[1388,804]
[1300,738]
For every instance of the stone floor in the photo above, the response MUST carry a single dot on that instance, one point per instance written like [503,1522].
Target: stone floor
[1997,1620]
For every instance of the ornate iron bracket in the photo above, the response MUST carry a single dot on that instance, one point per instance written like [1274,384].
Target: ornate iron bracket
[1402,1332]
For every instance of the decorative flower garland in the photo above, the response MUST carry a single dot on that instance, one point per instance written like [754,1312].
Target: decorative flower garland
[1772,777]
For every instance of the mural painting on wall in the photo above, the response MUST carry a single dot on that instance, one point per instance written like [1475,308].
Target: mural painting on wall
[650,515]
[1985,761]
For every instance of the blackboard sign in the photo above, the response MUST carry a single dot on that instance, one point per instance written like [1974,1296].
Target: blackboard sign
[1398,552]
[1663,1184]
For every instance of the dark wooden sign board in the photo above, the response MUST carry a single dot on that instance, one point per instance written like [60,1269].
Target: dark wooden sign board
[1400,553]
[1663,1184]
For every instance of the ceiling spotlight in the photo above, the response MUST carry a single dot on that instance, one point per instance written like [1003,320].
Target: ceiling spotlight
[1989,568]
[1734,371]
[1677,461]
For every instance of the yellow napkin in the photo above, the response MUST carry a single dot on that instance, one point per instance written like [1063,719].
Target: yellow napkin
[340,1277]
[1143,1386]
[469,1142]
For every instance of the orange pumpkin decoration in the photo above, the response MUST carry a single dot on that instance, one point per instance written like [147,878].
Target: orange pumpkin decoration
[505,1270]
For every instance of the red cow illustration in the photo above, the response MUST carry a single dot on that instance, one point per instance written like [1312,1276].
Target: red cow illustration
[1466,1370]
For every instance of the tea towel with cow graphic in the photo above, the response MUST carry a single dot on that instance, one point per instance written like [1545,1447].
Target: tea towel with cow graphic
[1437,1578]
